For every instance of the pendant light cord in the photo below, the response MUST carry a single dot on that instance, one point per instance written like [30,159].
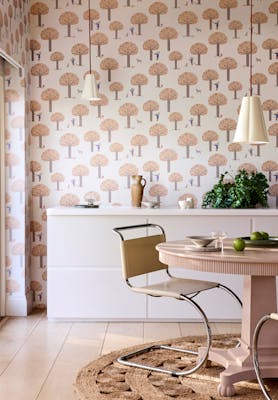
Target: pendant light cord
[89,33]
[251,49]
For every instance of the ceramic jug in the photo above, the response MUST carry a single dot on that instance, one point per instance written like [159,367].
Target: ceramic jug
[137,189]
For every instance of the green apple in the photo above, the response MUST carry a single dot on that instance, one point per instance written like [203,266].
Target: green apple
[265,235]
[239,244]
[256,236]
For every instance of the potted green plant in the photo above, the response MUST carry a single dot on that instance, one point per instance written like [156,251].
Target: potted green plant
[244,191]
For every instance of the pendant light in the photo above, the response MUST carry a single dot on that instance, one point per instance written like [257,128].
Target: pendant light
[251,124]
[90,91]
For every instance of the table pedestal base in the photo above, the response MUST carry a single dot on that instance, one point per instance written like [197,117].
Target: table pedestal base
[259,298]
[239,366]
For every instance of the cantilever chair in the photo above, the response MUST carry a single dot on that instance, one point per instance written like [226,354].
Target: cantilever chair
[139,256]
[262,321]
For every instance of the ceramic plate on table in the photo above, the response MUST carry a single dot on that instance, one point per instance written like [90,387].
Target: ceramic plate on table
[201,249]
[272,241]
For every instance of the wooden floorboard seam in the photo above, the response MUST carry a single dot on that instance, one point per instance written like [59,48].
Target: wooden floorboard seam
[104,338]
[55,360]
[27,337]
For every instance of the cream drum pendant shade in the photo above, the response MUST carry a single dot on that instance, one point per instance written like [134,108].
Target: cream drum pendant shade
[90,91]
[251,124]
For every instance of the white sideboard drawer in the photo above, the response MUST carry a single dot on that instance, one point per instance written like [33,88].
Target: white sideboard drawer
[87,241]
[178,227]
[91,293]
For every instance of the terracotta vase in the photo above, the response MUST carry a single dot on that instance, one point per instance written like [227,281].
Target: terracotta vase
[137,189]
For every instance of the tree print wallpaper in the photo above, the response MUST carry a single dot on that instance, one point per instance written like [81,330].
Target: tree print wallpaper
[171,75]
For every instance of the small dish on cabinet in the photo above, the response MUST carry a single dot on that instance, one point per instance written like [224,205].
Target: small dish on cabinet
[150,204]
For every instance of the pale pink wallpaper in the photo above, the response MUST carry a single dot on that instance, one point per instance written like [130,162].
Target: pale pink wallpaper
[171,76]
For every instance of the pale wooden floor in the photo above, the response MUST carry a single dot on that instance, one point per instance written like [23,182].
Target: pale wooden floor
[39,360]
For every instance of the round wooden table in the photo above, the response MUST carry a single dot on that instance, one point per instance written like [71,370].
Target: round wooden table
[259,266]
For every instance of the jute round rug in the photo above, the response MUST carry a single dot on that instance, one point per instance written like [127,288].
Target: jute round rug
[106,379]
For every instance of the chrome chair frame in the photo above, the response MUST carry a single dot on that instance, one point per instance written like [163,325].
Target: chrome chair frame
[179,296]
[262,321]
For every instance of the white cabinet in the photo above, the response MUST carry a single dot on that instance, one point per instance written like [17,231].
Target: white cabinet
[84,266]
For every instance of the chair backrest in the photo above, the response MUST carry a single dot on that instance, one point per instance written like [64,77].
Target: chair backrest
[139,255]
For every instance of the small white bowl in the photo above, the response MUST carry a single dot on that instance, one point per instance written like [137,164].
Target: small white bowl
[150,204]
[200,241]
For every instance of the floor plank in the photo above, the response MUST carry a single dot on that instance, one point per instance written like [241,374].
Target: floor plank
[120,335]
[26,373]
[13,334]
[82,345]
[188,328]
[225,327]
[160,331]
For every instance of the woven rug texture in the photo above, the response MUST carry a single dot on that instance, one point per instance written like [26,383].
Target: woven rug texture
[106,379]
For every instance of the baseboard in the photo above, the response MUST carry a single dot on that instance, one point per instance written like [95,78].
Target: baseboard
[191,320]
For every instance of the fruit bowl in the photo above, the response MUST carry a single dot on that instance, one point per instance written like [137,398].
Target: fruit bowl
[272,241]
[200,241]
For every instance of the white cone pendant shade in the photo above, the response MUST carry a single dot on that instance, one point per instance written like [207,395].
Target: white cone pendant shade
[90,91]
[251,124]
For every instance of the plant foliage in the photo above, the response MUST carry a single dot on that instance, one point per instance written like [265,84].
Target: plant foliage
[245,191]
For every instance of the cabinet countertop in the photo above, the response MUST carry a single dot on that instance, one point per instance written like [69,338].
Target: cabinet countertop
[163,211]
